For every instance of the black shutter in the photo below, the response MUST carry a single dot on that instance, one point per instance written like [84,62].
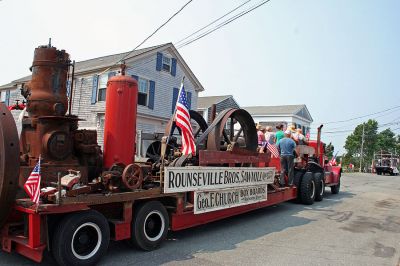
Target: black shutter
[173,67]
[159,61]
[151,94]
[94,88]
[135,77]
[174,98]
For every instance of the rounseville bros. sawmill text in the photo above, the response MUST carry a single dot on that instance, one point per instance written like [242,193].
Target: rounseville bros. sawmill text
[191,178]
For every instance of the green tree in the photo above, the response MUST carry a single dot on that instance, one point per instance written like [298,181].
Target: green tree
[386,141]
[353,142]
[329,149]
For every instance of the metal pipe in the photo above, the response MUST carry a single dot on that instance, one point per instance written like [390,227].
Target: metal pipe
[71,88]
[318,141]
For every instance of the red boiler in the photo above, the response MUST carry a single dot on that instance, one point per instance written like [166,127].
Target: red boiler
[120,120]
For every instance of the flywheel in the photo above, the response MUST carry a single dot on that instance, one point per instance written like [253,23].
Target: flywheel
[9,162]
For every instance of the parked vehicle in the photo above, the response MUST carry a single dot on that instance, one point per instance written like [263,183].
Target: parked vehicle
[386,163]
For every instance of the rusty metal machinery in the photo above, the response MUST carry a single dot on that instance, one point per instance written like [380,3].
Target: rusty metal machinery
[49,133]
[9,162]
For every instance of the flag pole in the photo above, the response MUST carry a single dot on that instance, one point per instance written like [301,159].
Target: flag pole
[174,113]
[40,179]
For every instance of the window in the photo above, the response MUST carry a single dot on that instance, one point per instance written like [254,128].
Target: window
[166,64]
[101,120]
[101,95]
[143,89]
[3,96]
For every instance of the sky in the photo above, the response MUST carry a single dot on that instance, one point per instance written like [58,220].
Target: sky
[339,57]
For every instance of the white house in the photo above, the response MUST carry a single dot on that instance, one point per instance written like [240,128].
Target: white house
[282,114]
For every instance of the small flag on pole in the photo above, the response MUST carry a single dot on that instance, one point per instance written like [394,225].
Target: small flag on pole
[273,149]
[182,120]
[32,184]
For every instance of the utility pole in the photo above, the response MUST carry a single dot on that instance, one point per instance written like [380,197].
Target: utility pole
[362,147]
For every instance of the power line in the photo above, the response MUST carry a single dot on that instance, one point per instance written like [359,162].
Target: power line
[148,37]
[355,118]
[352,124]
[209,24]
[224,23]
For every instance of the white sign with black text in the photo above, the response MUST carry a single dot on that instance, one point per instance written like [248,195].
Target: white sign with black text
[207,201]
[193,178]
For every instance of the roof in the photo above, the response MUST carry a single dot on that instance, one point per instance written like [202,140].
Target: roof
[207,101]
[104,62]
[280,110]
[7,86]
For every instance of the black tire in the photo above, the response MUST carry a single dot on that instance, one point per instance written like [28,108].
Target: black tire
[378,173]
[296,181]
[320,186]
[81,238]
[150,226]
[307,189]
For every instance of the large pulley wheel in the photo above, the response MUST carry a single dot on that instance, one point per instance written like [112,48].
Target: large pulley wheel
[9,162]
[199,126]
[233,128]
[132,177]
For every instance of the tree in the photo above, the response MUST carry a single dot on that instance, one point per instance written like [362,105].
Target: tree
[329,149]
[386,141]
[354,140]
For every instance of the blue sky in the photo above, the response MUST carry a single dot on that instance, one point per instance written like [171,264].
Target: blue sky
[340,58]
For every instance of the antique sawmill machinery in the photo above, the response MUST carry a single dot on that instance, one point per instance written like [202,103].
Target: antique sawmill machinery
[72,162]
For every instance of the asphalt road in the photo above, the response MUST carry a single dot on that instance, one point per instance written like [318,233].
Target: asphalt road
[359,226]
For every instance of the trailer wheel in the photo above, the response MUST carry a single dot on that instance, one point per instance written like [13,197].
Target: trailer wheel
[307,189]
[81,239]
[335,189]
[320,186]
[150,226]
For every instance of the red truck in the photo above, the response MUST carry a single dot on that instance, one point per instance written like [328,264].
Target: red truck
[89,197]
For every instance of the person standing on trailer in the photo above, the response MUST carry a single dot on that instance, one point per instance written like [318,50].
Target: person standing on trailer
[279,134]
[286,148]
[269,135]
[260,135]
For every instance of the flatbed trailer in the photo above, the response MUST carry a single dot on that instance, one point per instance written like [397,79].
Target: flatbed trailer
[32,241]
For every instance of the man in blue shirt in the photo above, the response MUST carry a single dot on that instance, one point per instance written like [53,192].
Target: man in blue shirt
[286,148]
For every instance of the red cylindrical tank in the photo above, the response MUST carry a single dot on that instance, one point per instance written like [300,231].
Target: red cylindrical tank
[120,120]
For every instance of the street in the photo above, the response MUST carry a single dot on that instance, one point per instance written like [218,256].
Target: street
[359,226]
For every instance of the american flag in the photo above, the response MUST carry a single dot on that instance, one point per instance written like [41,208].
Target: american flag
[32,185]
[273,149]
[182,120]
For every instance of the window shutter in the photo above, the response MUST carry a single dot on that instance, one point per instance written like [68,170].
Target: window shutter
[8,97]
[94,88]
[135,77]
[174,98]
[159,61]
[68,87]
[111,74]
[151,94]
[173,67]
[189,99]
